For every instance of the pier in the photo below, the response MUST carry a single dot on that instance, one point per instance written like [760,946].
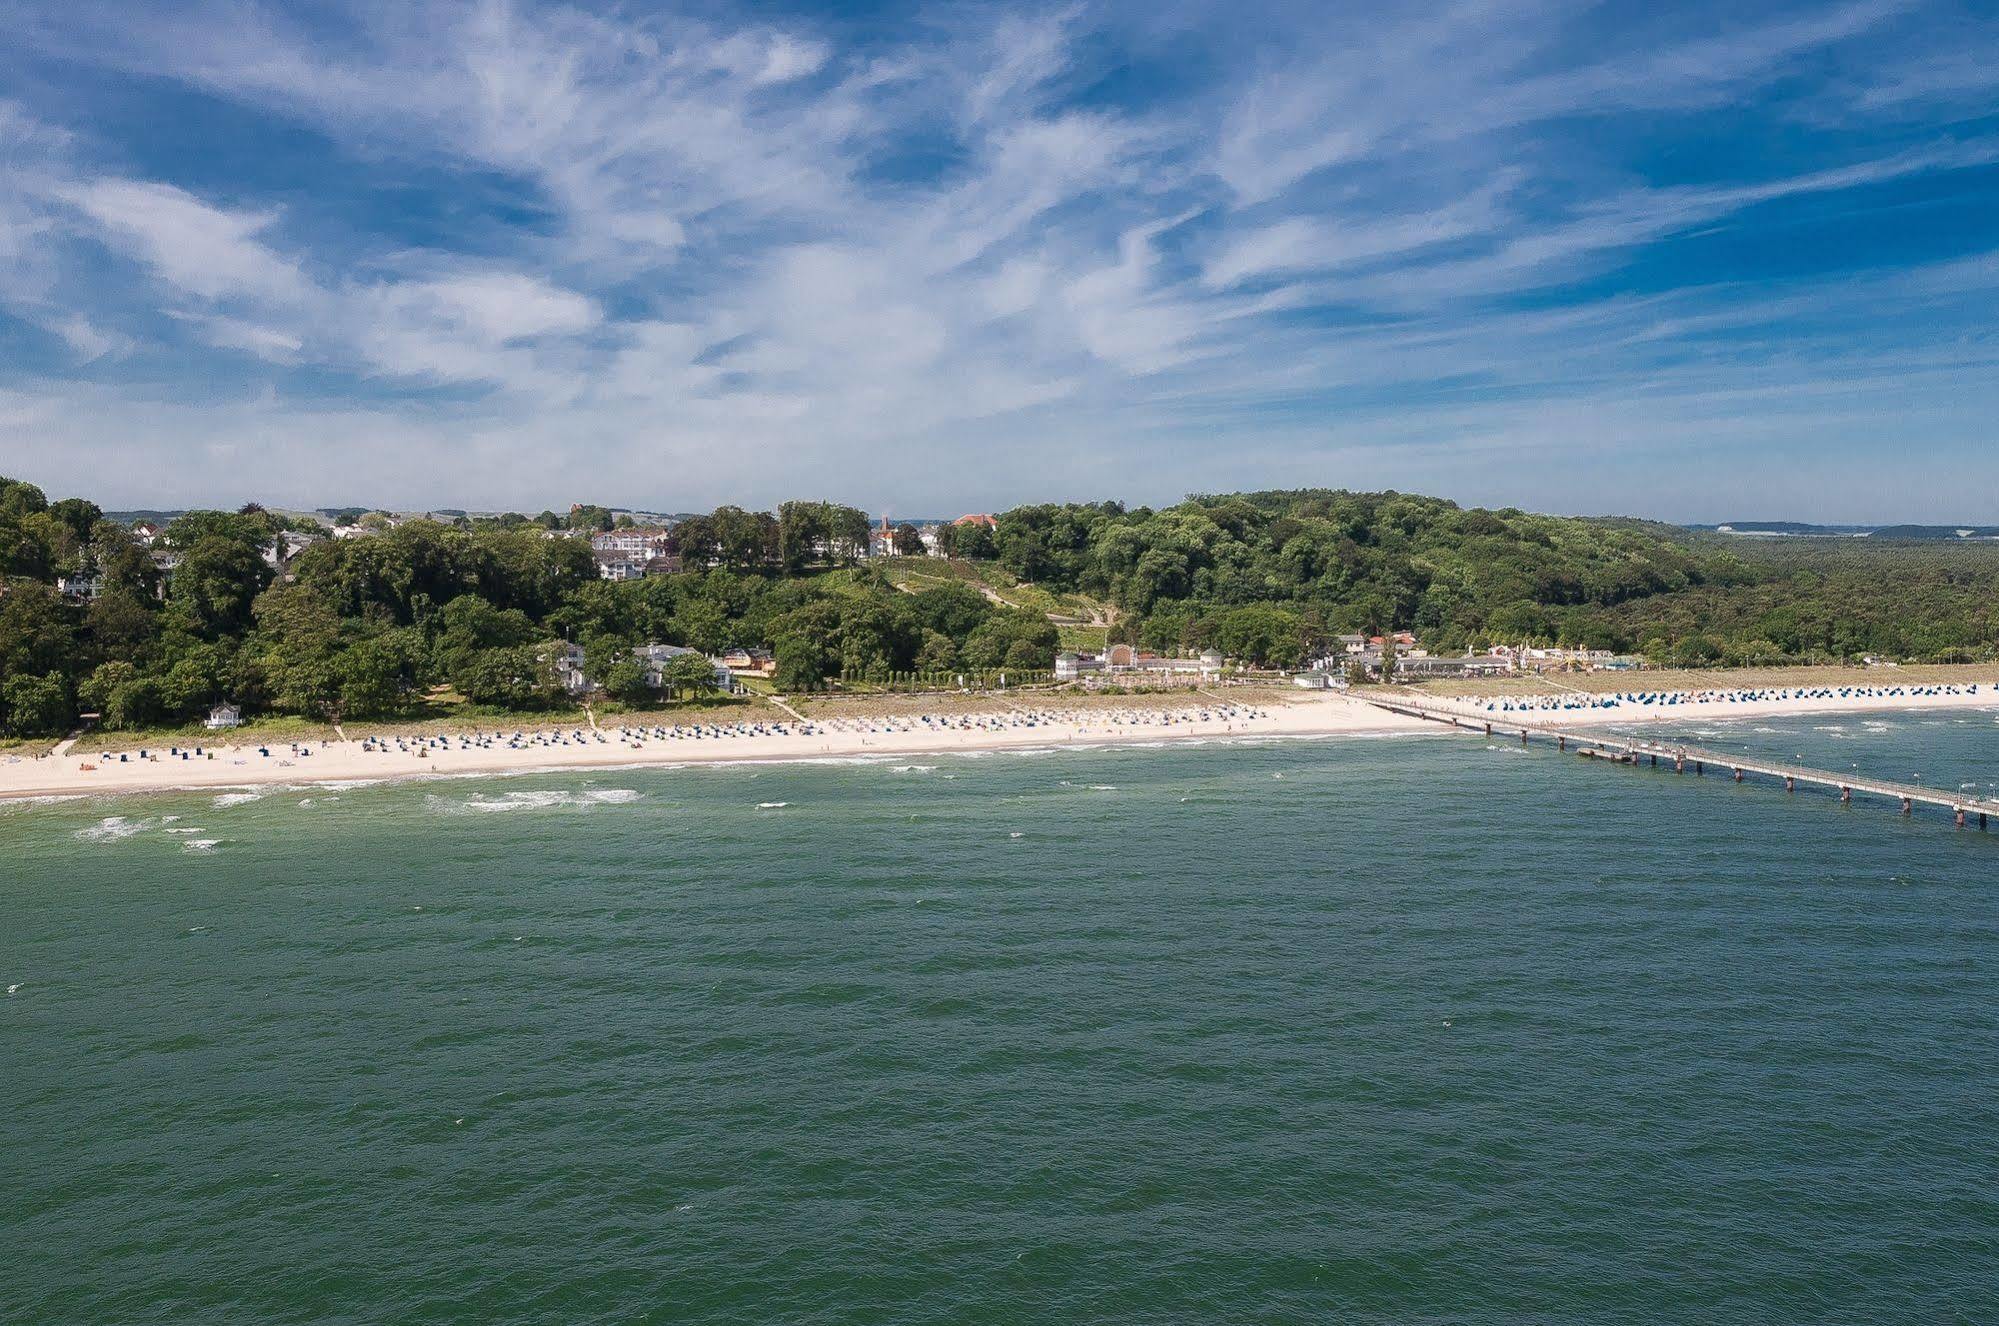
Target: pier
[1699,761]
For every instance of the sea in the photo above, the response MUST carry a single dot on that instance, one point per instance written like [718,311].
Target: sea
[1417,1029]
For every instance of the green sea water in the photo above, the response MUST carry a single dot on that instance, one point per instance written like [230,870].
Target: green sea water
[1403,1030]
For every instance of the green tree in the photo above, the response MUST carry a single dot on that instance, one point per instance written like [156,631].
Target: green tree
[35,706]
[689,675]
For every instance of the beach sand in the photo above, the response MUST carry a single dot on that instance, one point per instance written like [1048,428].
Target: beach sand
[1734,707]
[1127,721]
[1132,720]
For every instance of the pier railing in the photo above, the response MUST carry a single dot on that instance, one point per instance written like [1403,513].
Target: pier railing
[1686,757]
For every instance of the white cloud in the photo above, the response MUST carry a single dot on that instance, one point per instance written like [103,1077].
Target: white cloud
[764,255]
[201,249]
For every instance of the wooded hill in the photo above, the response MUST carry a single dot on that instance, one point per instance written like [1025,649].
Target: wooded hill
[378,626]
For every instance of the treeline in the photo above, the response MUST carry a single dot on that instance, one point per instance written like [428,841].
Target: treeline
[1270,577]
[368,627]
[371,626]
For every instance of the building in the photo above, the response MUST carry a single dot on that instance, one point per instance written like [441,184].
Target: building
[1069,665]
[288,545]
[639,544]
[166,563]
[568,665]
[224,716]
[1121,658]
[750,662]
[655,658]
[1420,667]
[980,518]
[83,587]
[619,566]
[146,532]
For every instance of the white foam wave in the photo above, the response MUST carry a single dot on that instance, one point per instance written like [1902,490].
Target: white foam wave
[113,827]
[199,844]
[228,799]
[540,799]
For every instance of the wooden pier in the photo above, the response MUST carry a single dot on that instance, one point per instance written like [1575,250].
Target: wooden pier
[1685,758]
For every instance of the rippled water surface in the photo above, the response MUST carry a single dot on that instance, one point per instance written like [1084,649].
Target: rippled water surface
[1423,1029]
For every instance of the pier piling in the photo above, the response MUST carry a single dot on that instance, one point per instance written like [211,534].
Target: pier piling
[1621,750]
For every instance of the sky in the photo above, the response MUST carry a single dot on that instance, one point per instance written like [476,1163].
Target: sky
[1697,262]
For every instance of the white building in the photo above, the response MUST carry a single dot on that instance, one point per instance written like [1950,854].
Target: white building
[636,544]
[288,544]
[84,586]
[656,657]
[223,716]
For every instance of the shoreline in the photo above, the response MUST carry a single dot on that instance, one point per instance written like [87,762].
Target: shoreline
[491,755]
[495,755]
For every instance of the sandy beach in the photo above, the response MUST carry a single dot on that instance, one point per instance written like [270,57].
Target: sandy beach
[488,752]
[1639,707]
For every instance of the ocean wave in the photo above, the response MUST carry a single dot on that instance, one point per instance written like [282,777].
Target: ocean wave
[113,827]
[199,844]
[228,799]
[772,805]
[541,799]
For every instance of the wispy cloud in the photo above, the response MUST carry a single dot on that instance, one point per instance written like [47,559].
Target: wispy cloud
[994,255]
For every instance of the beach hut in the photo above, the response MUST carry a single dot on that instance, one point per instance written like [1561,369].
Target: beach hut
[224,715]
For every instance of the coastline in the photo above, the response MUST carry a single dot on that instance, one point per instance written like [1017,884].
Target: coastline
[358,761]
[1727,706]
[223,768]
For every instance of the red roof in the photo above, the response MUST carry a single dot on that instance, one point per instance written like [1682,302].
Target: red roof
[981,519]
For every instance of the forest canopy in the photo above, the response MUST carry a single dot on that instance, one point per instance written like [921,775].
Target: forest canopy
[265,611]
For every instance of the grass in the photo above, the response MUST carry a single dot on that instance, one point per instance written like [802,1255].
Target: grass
[917,574]
[1082,639]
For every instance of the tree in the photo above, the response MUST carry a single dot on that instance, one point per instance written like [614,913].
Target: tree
[517,677]
[37,631]
[217,580]
[35,706]
[627,679]
[937,653]
[974,541]
[909,540]
[803,662]
[688,675]
[378,675]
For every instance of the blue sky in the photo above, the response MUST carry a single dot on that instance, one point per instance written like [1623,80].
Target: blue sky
[1689,261]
